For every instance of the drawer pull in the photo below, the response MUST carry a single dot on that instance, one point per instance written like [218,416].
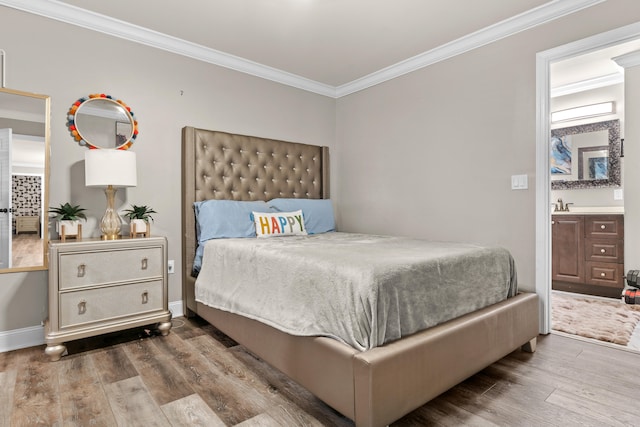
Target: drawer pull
[81,270]
[602,251]
[145,263]
[82,307]
[602,227]
[602,274]
[145,296]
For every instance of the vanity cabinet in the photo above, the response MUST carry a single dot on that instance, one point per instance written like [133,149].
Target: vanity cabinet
[100,286]
[588,254]
[567,248]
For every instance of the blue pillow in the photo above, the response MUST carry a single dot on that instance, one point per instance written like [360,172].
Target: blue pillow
[217,219]
[318,213]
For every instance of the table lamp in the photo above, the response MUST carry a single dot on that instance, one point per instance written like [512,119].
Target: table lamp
[110,169]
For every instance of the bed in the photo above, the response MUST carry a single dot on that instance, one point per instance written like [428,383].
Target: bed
[372,386]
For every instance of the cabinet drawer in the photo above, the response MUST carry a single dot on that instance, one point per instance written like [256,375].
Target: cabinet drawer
[103,304]
[605,274]
[604,250]
[604,226]
[102,267]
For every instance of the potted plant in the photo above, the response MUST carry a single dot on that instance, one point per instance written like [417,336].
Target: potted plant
[68,217]
[139,217]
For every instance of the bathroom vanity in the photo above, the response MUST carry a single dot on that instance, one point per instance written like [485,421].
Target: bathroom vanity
[588,252]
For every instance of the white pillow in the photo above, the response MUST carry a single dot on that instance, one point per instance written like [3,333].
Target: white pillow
[279,224]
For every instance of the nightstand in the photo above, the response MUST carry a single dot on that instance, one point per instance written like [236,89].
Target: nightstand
[100,286]
[27,223]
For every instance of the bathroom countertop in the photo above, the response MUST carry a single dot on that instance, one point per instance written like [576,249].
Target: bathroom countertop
[591,210]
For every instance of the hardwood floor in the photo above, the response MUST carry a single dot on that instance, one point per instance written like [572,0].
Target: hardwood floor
[26,250]
[198,376]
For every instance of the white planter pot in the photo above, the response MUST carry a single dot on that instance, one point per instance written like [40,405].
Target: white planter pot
[139,226]
[71,228]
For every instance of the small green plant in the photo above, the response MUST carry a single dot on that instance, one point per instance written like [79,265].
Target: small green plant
[67,212]
[139,212]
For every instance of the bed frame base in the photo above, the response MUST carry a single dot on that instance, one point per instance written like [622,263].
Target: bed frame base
[530,347]
[376,387]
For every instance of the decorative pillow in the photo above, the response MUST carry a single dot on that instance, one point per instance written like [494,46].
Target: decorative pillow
[279,224]
[217,219]
[318,213]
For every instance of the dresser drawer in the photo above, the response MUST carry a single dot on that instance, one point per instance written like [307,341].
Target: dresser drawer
[605,274]
[103,304]
[604,250]
[103,267]
[604,226]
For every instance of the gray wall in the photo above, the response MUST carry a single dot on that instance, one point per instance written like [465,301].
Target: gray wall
[166,92]
[429,154]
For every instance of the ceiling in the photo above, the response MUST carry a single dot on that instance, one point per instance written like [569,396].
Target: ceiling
[328,41]
[331,47]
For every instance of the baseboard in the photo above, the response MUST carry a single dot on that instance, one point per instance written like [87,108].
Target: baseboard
[583,288]
[34,335]
[21,338]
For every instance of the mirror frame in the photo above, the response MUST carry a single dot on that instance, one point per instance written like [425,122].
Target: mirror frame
[614,180]
[45,202]
[76,133]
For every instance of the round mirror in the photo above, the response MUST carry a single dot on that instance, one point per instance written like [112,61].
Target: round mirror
[100,121]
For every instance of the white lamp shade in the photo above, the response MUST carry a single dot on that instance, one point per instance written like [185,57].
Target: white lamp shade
[103,167]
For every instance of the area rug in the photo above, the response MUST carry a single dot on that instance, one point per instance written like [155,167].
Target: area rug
[610,321]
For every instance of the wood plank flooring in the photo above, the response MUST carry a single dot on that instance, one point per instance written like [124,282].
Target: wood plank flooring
[196,376]
[26,250]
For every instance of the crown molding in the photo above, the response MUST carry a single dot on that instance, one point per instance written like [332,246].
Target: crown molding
[590,84]
[522,22]
[628,60]
[70,14]
[74,15]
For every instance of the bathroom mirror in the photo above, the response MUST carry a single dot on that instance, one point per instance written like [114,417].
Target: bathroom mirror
[586,156]
[100,121]
[24,180]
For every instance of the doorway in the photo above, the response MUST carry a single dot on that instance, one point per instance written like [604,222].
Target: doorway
[544,62]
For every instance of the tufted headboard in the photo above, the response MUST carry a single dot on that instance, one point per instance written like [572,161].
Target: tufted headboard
[220,165]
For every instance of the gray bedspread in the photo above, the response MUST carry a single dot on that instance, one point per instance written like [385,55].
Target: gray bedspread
[363,290]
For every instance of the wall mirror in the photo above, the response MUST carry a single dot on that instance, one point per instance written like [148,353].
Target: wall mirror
[586,156]
[24,180]
[99,121]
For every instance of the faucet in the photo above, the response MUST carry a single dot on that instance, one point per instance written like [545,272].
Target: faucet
[561,207]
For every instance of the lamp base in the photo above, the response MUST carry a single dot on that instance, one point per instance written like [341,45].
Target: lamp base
[111,224]
[110,237]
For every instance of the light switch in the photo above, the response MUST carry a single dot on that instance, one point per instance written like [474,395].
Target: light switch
[618,194]
[519,182]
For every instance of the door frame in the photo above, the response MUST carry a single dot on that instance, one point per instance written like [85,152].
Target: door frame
[544,60]
[6,256]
